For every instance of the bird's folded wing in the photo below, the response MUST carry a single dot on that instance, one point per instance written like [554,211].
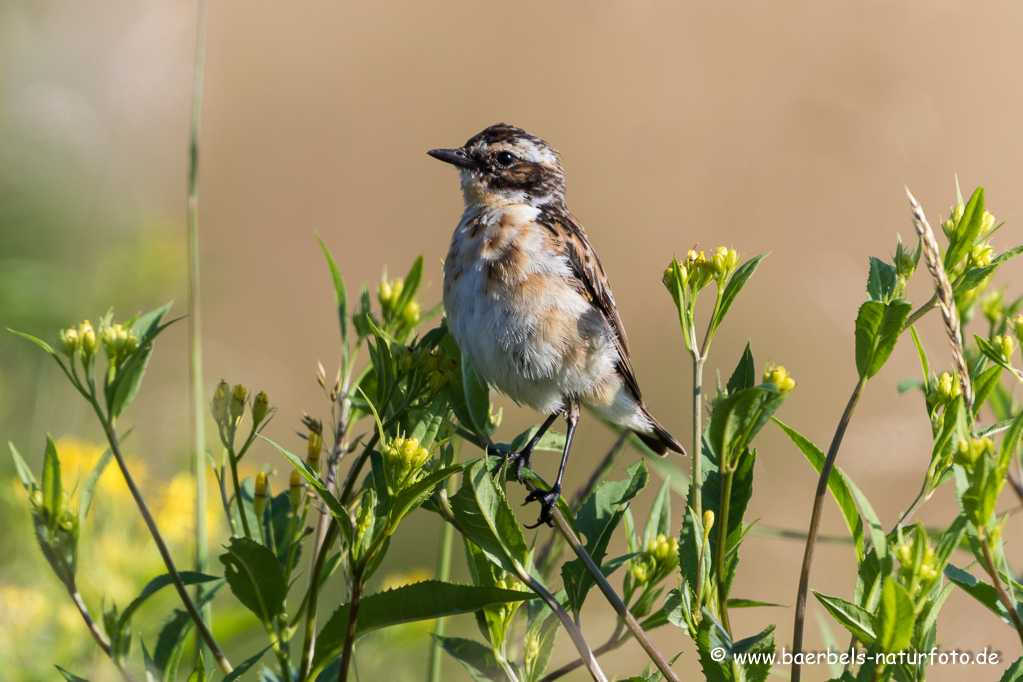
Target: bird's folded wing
[592,283]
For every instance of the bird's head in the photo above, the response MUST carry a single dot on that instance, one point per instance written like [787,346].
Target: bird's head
[505,165]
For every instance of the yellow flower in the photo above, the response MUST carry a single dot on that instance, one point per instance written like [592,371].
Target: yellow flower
[779,376]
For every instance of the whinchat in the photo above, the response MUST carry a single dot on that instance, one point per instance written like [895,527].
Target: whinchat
[527,299]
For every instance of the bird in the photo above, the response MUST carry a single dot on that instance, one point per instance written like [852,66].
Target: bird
[528,302]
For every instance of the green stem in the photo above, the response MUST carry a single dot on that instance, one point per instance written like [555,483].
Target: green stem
[238,494]
[311,601]
[989,565]
[815,522]
[194,334]
[353,620]
[172,570]
[443,574]
[696,498]
[727,473]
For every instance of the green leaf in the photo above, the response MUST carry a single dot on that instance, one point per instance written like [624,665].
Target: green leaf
[750,603]
[969,229]
[90,483]
[544,631]
[734,286]
[893,624]
[430,422]
[411,285]
[659,521]
[551,441]
[340,297]
[420,601]
[745,374]
[477,398]
[597,520]
[1014,673]
[170,642]
[837,484]
[244,666]
[475,657]
[52,488]
[344,519]
[24,472]
[154,586]
[70,677]
[152,673]
[710,637]
[978,589]
[877,535]
[409,499]
[761,643]
[924,364]
[255,578]
[856,620]
[881,281]
[39,342]
[199,671]
[878,326]
[483,514]
[984,385]
[122,391]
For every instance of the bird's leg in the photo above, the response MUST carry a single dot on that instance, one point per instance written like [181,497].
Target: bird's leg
[548,499]
[522,458]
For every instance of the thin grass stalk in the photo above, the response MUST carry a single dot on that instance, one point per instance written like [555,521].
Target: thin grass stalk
[989,566]
[612,597]
[815,522]
[194,333]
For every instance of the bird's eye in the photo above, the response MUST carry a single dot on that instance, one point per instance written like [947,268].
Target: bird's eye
[505,158]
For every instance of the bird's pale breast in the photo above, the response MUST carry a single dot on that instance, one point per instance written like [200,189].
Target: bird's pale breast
[514,308]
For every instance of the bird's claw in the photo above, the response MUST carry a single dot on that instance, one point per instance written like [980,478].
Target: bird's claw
[548,500]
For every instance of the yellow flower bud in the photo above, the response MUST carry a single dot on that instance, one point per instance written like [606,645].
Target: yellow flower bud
[779,376]
[295,489]
[957,212]
[982,255]
[220,402]
[89,341]
[238,399]
[987,222]
[260,406]
[384,294]
[410,315]
[1017,327]
[259,500]
[403,462]
[313,450]
[1005,346]
[708,520]
[37,499]
[948,388]
[640,572]
[70,340]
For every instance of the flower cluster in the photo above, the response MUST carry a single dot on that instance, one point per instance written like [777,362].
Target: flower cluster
[917,568]
[389,295]
[697,270]
[403,462]
[656,561]
[779,376]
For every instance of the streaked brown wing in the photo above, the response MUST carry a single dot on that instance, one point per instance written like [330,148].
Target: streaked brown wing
[592,283]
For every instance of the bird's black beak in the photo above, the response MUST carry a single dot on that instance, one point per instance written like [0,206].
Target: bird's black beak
[456,157]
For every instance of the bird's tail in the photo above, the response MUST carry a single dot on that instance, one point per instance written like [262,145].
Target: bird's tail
[658,439]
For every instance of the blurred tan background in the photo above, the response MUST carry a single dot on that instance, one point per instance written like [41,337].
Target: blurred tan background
[787,127]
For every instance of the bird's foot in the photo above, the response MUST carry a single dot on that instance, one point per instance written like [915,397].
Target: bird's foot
[548,500]
[517,460]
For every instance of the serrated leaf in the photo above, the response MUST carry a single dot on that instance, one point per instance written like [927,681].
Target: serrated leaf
[420,601]
[878,326]
[745,374]
[551,441]
[983,592]
[734,286]
[476,658]
[1014,673]
[893,624]
[837,485]
[762,644]
[483,515]
[425,430]
[340,298]
[856,620]
[255,577]
[881,281]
